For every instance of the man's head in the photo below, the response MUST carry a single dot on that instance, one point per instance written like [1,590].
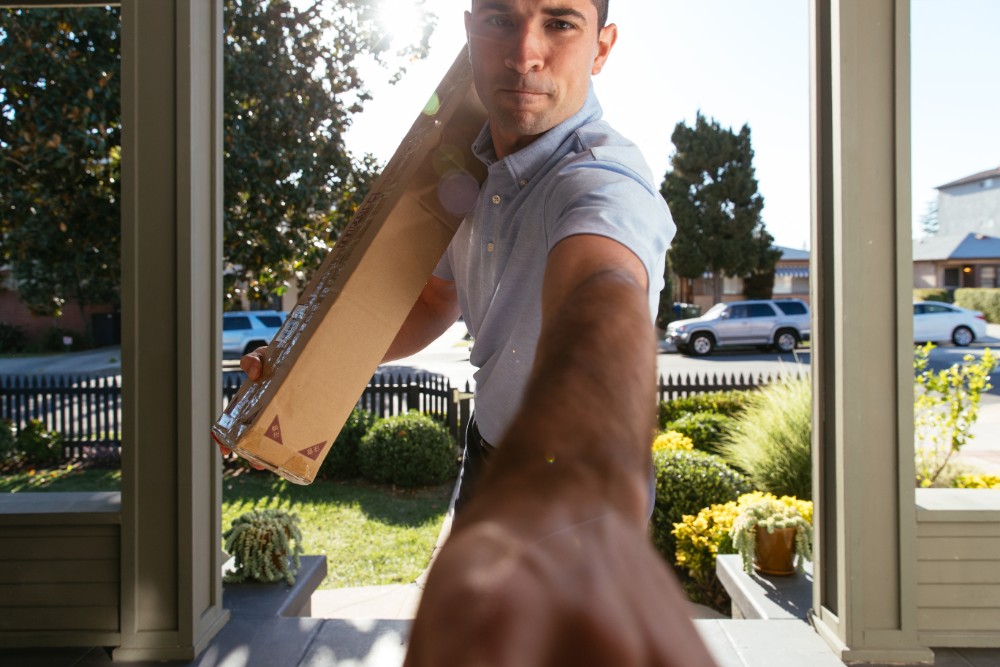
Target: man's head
[532,61]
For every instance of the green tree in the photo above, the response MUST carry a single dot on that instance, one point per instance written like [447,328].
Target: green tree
[712,194]
[292,84]
[930,224]
[60,135]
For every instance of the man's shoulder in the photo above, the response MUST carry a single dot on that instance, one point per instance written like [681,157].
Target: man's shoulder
[599,145]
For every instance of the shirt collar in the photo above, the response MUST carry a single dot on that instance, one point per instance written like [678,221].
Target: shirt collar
[525,163]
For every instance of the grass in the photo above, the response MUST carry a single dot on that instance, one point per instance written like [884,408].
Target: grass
[371,535]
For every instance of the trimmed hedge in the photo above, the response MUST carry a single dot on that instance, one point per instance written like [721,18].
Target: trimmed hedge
[687,482]
[983,299]
[706,429]
[408,450]
[728,403]
[341,461]
[932,294]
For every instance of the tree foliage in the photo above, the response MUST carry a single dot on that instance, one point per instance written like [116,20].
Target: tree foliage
[712,194]
[60,134]
[292,84]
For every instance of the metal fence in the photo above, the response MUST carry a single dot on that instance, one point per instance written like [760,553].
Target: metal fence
[86,411]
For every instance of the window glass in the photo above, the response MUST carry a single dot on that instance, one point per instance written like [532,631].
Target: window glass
[235,323]
[792,307]
[737,312]
[270,320]
[936,308]
[761,310]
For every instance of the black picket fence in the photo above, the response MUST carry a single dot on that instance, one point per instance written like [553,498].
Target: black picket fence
[86,411]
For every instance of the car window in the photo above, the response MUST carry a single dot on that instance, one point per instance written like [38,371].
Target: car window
[270,320]
[918,309]
[792,307]
[235,323]
[760,310]
[937,308]
[736,312]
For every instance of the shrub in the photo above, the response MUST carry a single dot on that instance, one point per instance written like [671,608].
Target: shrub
[706,429]
[37,446]
[8,445]
[408,450]
[672,440]
[973,481]
[771,439]
[52,341]
[984,299]
[341,461]
[12,338]
[686,482]
[728,403]
[933,294]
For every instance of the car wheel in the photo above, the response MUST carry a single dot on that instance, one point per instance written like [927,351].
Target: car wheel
[253,345]
[962,336]
[786,340]
[701,344]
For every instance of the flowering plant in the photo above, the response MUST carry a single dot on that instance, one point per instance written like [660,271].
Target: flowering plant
[672,440]
[945,407]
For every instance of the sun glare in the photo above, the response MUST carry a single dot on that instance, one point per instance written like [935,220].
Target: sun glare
[401,20]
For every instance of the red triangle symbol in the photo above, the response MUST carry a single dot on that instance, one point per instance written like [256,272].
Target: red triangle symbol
[314,451]
[274,431]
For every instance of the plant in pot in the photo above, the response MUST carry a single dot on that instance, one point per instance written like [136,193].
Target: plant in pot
[261,543]
[770,532]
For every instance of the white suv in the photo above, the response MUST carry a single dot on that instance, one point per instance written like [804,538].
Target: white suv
[245,331]
[781,323]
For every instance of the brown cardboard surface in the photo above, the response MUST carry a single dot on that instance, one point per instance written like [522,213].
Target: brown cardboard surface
[330,345]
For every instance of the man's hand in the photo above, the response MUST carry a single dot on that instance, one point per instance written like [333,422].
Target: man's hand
[252,364]
[521,586]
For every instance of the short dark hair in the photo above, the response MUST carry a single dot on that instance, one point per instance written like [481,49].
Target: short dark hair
[602,12]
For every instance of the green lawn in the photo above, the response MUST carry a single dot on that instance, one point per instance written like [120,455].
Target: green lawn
[370,535]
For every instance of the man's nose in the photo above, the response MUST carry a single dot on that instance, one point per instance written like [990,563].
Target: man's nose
[524,53]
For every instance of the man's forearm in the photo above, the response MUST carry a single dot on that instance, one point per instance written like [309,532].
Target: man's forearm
[588,409]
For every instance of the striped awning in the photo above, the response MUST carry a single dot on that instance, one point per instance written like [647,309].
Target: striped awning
[792,271]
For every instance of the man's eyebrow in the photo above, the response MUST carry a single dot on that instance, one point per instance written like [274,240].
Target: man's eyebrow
[555,12]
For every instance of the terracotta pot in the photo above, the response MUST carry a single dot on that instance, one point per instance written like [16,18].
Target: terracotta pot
[775,552]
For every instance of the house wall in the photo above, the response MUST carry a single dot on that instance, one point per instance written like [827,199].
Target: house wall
[958,567]
[974,207]
[925,274]
[12,311]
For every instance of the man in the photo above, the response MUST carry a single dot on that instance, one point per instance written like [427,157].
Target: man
[557,273]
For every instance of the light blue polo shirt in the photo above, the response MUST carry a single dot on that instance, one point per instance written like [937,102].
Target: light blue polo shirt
[580,177]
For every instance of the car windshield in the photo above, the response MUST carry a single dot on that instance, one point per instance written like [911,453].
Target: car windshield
[716,309]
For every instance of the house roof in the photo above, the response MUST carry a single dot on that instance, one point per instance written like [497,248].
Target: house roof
[956,246]
[975,178]
[792,255]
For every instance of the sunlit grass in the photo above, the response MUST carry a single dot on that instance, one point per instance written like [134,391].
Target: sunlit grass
[371,535]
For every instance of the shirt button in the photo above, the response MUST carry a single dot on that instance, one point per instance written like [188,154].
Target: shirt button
[523,182]
[490,247]
[496,200]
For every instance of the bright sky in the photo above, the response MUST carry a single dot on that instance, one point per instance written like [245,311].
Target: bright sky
[741,61]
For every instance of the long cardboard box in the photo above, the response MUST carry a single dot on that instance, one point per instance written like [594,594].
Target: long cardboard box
[319,363]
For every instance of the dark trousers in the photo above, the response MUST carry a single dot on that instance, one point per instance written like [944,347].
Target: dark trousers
[474,461]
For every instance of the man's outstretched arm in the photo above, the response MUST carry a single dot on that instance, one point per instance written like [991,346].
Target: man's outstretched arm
[550,564]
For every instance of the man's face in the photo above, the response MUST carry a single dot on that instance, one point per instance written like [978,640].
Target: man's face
[532,61]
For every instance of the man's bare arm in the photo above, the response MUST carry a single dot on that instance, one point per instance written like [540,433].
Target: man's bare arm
[436,309]
[551,564]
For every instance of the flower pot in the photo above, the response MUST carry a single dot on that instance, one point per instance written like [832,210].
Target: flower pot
[774,553]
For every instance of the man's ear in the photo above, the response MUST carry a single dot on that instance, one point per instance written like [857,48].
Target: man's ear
[605,41]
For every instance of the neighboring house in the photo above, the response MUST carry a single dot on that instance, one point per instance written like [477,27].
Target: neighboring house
[956,260]
[791,280]
[970,204]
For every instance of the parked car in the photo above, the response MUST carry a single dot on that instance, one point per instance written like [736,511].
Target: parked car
[245,331]
[937,322]
[778,323]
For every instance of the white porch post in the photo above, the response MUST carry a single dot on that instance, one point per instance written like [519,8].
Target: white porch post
[171,595]
[864,590]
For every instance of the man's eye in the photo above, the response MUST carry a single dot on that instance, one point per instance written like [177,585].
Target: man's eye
[498,21]
[561,25]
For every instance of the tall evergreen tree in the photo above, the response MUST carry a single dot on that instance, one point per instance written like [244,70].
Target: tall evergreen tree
[712,194]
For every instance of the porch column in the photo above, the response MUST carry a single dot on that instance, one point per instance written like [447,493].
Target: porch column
[171,595]
[865,581]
